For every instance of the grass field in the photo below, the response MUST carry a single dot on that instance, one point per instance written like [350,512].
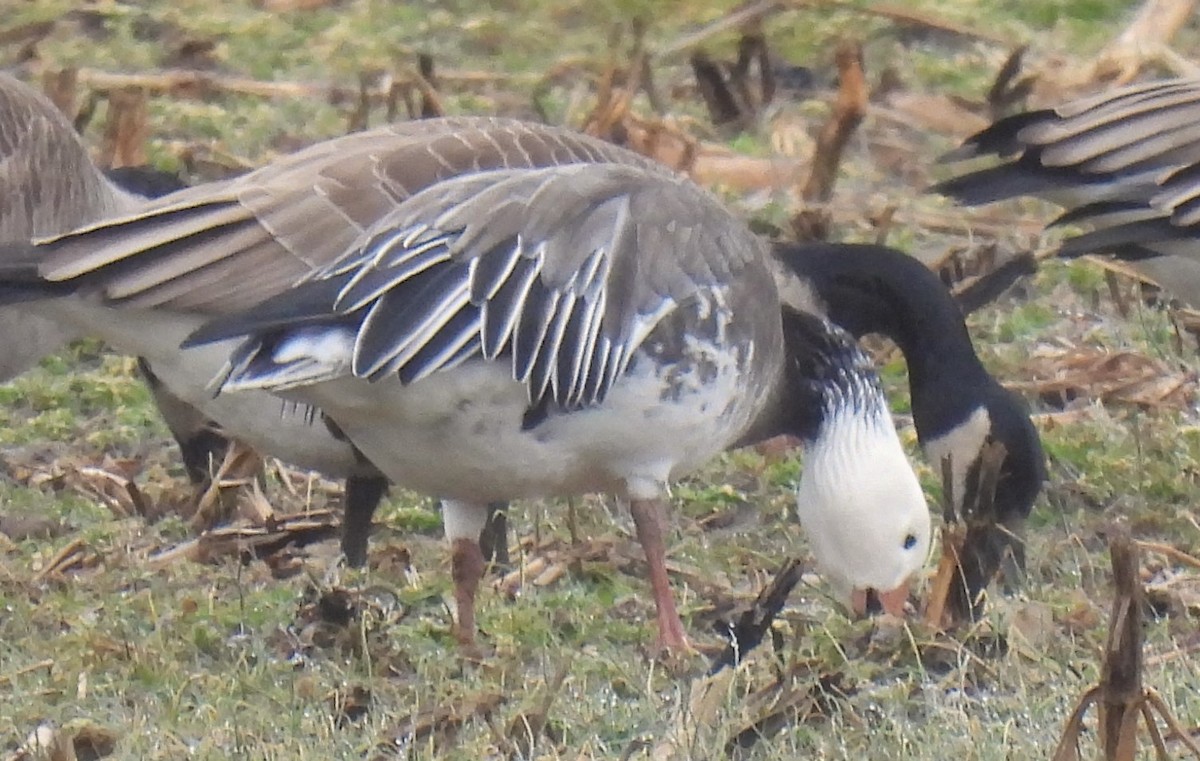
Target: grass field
[300,659]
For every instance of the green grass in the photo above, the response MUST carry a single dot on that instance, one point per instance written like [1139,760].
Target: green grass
[230,659]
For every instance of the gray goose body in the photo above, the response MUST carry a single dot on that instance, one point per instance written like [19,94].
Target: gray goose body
[50,187]
[1124,163]
[495,310]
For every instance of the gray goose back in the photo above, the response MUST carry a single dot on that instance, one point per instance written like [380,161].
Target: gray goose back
[255,236]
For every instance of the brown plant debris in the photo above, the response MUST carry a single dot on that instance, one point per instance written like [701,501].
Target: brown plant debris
[1173,553]
[789,700]
[1009,89]
[949,114]
[1121,698]
[274,535]
[1175,594]
[426,83]
[372,84]
[764,711]
[1060,375]
[930,112]
[109,482]
[191,83]
[848,111]
[25,34]
[439,725]
[814,221]
[240,467]
[618,86]
[349,705]
[1169,590]
[43,665]
[126,129]
[794,694]
[533,721]
[72,557]
[733,99]
[358,623]
[19,527]
[1145,40]
[979,274]
[286,6]
[546,564]
[906,16]
[968,522]
[723,108]
[78,740]
[1144,43]
[193,52]
[415,87]
[670,142]
[118,492]
[62,88]
[746,15]
[974,292]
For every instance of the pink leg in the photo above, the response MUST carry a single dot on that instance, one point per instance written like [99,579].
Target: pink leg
[464,521]
[467,567]
[647,517]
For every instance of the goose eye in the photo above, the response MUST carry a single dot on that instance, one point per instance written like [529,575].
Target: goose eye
[910,541]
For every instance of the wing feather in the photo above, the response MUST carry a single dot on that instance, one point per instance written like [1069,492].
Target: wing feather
[503,310]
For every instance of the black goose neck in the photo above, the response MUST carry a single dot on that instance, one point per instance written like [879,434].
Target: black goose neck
[875,289]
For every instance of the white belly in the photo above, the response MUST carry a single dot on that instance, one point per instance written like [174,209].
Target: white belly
[259,419]
[458,434]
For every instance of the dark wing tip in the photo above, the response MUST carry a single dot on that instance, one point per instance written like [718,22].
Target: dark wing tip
[308,303]
[21,280]
[145,181]
[1001,138]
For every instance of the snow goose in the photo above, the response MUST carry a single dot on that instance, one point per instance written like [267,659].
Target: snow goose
[496,310]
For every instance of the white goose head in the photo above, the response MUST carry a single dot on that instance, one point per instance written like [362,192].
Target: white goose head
[866,516]
[858,498]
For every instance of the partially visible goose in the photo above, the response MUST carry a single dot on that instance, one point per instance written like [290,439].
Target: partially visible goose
[501,311]
[51,186]
[1125,163]
[957,406]
[48,185]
